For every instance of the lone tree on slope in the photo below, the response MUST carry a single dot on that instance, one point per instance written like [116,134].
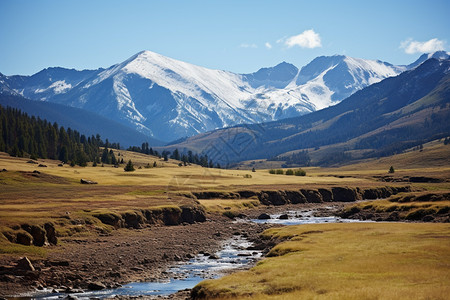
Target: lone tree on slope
[129,167]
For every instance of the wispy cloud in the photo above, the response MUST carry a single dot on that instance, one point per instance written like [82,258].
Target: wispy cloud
[306,39]
[245,45]
[430,46]
[268,45]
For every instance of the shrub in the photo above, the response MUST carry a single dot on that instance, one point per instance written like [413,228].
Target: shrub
[230,214]
[289,172]
[247,176]
[300,172]
[279,172]
[272,171]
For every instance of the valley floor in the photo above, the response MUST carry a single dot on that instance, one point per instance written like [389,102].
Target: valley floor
[115,232]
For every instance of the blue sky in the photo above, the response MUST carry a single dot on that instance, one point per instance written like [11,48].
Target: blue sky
[239,36]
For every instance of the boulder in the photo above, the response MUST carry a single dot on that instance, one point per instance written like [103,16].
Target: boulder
[283,217]
[25,264]
[85,181]
[263,216]
[96,286]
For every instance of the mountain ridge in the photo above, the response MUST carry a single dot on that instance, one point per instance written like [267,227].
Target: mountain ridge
[382,118]
[169,99]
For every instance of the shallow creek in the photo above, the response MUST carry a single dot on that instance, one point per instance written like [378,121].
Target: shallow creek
[233,255]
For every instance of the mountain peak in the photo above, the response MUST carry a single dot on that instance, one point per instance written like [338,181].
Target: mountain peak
[438,55]
[278,76]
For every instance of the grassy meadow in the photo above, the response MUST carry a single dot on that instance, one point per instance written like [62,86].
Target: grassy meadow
[300,267]
[345,261]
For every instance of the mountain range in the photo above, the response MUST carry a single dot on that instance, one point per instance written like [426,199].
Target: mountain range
[382,119]
[169,99]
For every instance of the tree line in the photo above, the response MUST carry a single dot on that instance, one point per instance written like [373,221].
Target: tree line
[187,157]
[22,135]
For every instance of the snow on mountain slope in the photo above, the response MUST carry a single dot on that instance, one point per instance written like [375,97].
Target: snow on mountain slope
[169,99]
[49,82]
[426,56]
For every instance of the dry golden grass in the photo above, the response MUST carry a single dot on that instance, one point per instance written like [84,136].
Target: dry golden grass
[347,261]
[56,193]
[233,206]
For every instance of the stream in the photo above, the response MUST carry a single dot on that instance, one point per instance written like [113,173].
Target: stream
[186,275]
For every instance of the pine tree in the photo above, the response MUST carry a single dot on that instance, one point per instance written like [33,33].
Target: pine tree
[176,154]
[129,167]
[63,154]
[391,169]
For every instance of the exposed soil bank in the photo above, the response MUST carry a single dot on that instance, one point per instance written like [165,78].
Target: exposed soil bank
[44,234]
[332,194]
[125,256]
[424,207]
[129,255]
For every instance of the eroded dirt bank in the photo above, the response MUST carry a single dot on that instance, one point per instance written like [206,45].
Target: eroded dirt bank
[129,255]
[125,256]
[141,249]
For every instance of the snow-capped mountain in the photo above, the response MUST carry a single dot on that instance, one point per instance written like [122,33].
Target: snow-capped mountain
[424,57]
[169,99]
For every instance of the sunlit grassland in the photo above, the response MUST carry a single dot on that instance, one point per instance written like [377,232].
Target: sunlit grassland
[56,195]
[346,261]
[57,191]
[228,205]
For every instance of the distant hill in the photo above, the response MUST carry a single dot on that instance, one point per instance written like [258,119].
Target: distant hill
[382,119]
[86,122]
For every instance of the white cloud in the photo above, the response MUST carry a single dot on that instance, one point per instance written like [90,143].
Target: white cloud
[430,46]
[268,45]
[245,45]
[306,39]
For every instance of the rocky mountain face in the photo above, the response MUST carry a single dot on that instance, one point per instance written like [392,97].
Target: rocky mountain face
[170,99]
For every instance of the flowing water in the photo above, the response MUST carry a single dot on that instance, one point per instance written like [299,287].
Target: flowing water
[186,275]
